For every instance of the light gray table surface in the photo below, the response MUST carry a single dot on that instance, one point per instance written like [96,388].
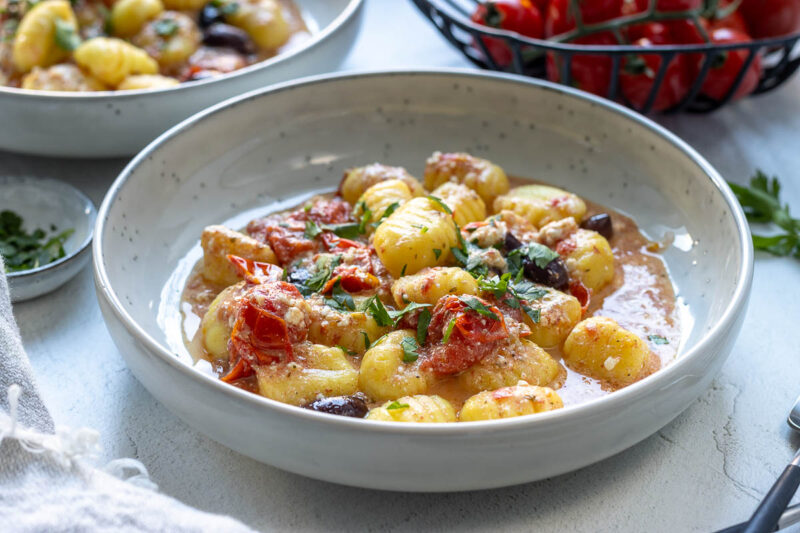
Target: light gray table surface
[705,470]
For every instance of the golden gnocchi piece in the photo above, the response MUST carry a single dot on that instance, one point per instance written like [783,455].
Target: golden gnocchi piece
[466,205]
[218,241]
[558,314]
[35,42]
[63,77]
[147,81]
[112,60]
[541,204]
[316,371]
[217,323]
[357,180]
[381,196]
[430,284]
[588,257]
[263,20]
[480,175]
[171,38]
[522,361]
[384,375]
[602,349]
[422,409]
[508,402]
[184,5]
[128,16]
[418,234]
[352,331]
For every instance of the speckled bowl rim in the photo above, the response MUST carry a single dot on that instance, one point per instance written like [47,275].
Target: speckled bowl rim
[92,220]
[672,373]
[317,39]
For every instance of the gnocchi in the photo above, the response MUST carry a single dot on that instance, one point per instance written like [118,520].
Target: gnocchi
[391,300]
[58,45]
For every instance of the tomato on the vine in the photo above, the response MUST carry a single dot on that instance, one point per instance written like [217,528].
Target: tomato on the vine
[590,73]
[559,18]
[638,75]
[726,67]
[771,18]
[521,16]
[734,21]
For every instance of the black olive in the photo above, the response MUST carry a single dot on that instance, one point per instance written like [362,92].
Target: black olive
[219,34]
[601,224]
[353,406]
[511,242]
[554,275]
[209,15]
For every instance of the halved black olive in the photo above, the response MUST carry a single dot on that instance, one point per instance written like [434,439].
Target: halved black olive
[209,15]
[219,34]
[353,406]
[601,224]
[554,275]
[511,242]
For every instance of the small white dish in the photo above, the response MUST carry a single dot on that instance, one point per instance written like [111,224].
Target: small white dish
[272,146]
[45,203]
[120,123]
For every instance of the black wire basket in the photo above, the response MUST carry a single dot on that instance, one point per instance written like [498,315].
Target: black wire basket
[779,57]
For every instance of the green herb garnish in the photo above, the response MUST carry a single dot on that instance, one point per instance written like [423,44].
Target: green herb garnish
[423,321]
[413,306]
[441,203]
[762,205]
[397,405]
[477,306]
[367,343]
[437,252]
[448,330]
[539,254]
[375,308]
[340,299]
[312,230]
[657,339]
[410,347]
[26,251]
[165,27]
[66,35]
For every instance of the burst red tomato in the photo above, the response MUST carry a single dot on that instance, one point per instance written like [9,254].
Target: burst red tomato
[521,16]
[724,72]
[559,19]
[352,279]
[590,73]
[470,336]
[638,75]
[255,272]
[771,18]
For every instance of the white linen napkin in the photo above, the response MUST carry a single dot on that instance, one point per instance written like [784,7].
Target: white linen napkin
[47,481]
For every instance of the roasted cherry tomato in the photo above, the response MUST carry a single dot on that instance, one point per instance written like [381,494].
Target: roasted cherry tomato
[771,18]
[352,279]
[521,16]
[579,291]
[261,334]
[559,18]
[255,272]
[590,73]
[638,75]
[459,336]
[726,67]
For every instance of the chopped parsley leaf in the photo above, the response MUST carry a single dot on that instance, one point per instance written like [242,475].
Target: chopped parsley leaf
[540,254]
[165,27]
[403,272]
[449,330]
[535,314]
[437,252]
[312,230]
[413,306]
[441,203]
[477,306]
[397,405]
[66,35]
[410,347]
[375,308]
[423,322]
[367,343]
[340,299]
[657,339]
[345,350]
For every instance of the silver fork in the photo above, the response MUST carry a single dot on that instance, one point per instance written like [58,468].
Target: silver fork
[768,515]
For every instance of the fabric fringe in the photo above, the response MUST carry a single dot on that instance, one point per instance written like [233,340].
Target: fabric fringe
[67,445]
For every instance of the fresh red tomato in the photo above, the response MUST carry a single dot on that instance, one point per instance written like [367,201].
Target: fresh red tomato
[655,32]
[638,75]
[521,16]
[559,19]
[459,336]
[734,21]
[722,75]
[771,18]
[590,73]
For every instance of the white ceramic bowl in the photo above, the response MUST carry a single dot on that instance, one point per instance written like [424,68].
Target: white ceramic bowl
[43,203]
[105,124]
[155,211]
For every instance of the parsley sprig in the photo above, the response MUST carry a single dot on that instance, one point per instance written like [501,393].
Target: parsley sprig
[25,251]
[515,292]
[762,205]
